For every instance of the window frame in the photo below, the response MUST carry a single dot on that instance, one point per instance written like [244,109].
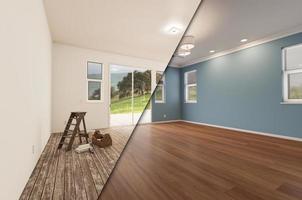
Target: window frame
[285,77]
[187,86]
[162,85]
[100,81]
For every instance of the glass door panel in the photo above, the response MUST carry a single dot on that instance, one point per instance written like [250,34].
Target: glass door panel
[121,96]
[142,94]
[130,93]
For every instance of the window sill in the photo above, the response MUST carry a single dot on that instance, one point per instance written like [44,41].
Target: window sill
[94,101]
[291,103]
[159,102]
[190,101]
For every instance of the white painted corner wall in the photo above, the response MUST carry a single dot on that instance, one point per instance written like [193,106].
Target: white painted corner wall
[69,83]
[25,84]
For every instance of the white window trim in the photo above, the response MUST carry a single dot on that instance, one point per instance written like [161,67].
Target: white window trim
[94,80]
[163,85]
[163,94]
[285,75]
[187,93]
[189,85]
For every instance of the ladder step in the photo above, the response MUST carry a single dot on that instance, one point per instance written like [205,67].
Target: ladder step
[67,136]
[71,131]
[64,143]
[67,131]
[70,135]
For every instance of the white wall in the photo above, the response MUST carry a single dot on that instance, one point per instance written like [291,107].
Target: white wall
[25,76]
[69,85]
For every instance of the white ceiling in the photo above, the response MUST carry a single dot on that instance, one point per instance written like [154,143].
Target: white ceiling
[221,24]
[134,28]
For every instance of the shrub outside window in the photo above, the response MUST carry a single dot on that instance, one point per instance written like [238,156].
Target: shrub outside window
[160,88]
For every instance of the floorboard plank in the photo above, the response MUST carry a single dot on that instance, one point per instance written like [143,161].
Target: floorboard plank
[59,184]
[90,187]
[95,174]
[78,176]
[32,180]
[50,180]
[41,179]
[69,191]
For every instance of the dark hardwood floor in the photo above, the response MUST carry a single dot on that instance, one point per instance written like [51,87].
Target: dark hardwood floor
[65,175]
[185,161]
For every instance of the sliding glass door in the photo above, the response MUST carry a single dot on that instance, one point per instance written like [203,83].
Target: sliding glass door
[130,93]
[141,96]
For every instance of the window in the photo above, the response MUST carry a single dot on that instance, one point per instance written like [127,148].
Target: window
[160,89]
[292,74]
[190,87]
[94,81]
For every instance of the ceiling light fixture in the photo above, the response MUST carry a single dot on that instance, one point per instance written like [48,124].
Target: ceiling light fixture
[174,30]
[185,46]
[212,51]
[183,53]
[244,40]
[187,43]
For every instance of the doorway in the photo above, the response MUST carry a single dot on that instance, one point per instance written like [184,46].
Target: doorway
[130,91]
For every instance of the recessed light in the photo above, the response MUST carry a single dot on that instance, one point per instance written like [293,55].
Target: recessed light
[212,51]
[243,40]
[174,30]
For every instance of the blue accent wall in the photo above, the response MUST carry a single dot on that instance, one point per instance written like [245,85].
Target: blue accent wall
[240,90]
[244,90]
[172,107]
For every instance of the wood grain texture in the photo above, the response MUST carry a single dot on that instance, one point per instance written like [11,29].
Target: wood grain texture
[185,161]
[61,175]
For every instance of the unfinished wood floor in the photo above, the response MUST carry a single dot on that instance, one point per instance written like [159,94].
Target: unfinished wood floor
[181,161]
[68,175]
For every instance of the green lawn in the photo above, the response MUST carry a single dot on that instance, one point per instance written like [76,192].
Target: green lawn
[295,92]
[119,106]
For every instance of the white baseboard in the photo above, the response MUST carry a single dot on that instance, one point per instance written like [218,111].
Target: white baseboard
[246,131]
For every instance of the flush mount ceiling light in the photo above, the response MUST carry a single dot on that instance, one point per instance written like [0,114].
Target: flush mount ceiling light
[212,51]
[244,40]
[174,30]
[185,46]
[183,53]
[187,43]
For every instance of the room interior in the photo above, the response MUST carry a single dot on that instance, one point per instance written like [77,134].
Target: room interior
[199,99]
[61,53]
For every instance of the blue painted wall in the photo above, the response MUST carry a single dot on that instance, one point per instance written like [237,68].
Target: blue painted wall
[241,90]
[244,90]
[172,106]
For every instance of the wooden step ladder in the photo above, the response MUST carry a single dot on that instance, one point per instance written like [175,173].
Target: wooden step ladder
[72,130]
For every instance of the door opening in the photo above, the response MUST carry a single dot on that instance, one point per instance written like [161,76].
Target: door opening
[129,95]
